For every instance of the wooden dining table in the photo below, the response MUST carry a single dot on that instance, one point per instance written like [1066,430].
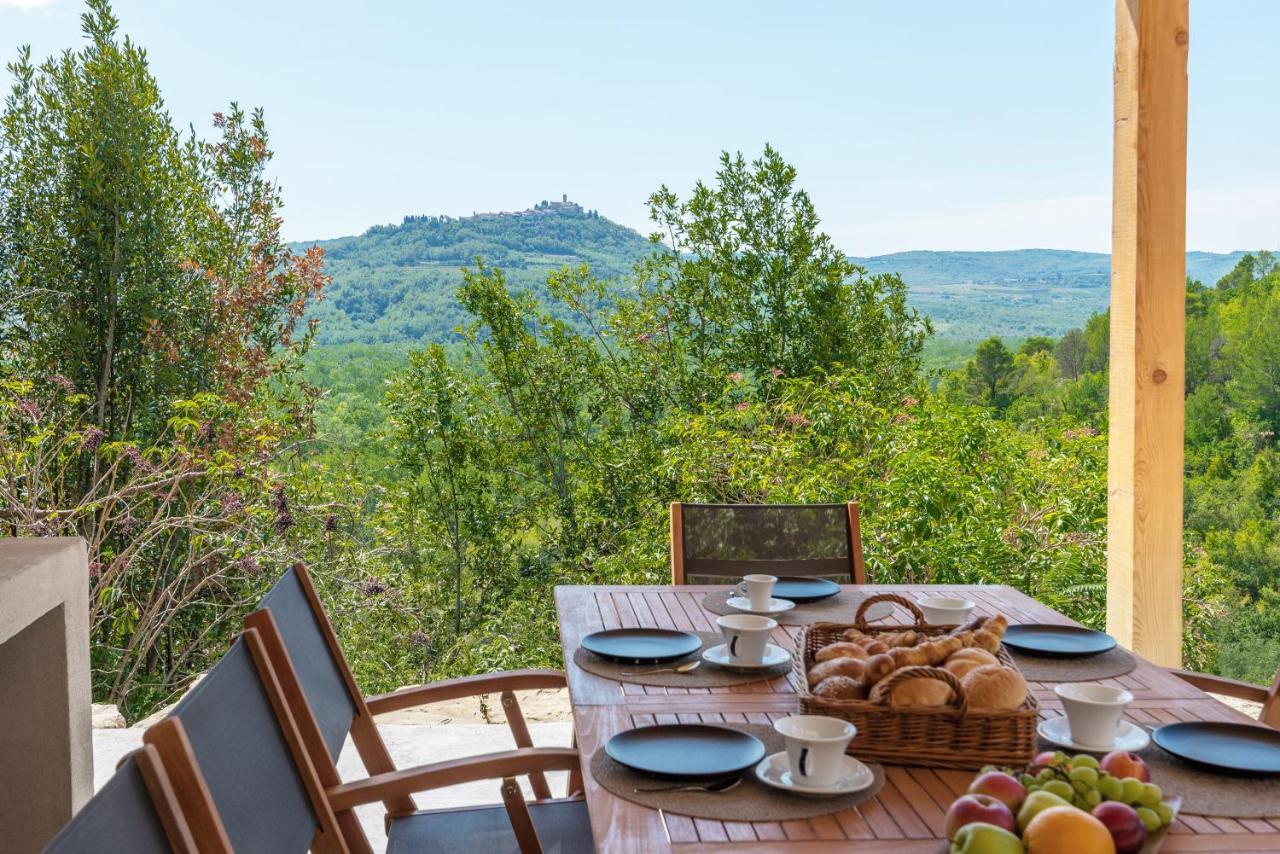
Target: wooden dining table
[907,814]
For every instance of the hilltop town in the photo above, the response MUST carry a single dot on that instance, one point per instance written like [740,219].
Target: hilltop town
[543,208]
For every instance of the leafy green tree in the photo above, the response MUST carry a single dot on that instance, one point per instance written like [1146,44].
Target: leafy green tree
[1070,354]
[1036,344]
[987,374]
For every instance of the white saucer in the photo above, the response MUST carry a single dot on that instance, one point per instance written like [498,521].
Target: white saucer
[775,771]
[773,656]
[776,606]
[1128,737]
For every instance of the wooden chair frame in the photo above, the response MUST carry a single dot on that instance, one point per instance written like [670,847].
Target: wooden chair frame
[1269,698]
[394,786]
[364,733]
[857,569]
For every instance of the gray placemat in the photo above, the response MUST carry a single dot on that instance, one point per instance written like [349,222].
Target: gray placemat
[837,609]
[1206,793]
[707,676]
[1108,665]
[750,800]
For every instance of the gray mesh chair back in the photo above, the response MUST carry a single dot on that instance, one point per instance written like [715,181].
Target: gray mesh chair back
[318,674]
[242,752]
[726,541]
[120,819]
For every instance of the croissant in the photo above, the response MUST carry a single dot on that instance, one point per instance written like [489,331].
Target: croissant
[910,637]
[970,627]
[988,639]
[908,656]
[997,625]
[941,649]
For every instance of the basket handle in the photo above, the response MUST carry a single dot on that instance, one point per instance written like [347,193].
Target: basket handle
[859,618]
[883,690]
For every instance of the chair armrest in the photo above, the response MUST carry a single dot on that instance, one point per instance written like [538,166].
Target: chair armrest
[466,686]
[491,766]
[1222,685]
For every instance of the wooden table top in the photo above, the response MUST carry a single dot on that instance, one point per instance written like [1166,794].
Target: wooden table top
[906,816]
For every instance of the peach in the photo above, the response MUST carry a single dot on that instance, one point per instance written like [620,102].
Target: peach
[1067,830]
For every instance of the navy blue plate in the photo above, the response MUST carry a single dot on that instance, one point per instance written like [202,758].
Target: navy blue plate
[1233,748]
[800,590]
[685,751]
[1058,641]
[642,646]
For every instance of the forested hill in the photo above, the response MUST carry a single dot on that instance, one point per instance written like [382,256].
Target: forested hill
[396,283]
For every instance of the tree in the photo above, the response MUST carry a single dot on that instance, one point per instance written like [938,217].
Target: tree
[1070,354]
[1036,344]
[987,373]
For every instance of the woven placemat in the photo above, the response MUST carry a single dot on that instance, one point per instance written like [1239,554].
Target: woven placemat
[1206,793]
[1037,668]
[839,608]
[706,676]
[750,800]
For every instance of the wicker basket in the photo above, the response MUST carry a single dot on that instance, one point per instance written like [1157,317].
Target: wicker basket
[951,736]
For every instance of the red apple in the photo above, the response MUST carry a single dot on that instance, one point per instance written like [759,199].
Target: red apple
[1044,759]
[1122,763]
[1000,786]
[1122,822]
[967,809]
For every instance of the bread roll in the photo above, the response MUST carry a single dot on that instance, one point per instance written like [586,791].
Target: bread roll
[964,660]
[899,639]
[850,667]
[921,692]
[876,668]
[840,650]
[839,688]
[994,686]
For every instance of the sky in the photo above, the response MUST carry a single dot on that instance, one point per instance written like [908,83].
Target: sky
[933,124]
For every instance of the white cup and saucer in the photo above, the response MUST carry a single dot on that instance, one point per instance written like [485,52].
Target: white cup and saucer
[943,610]
[815,762]
[755,596]
[746,643]
[1094,720]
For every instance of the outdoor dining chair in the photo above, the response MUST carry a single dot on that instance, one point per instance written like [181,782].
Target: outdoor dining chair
[712,542]
[327,704]
[135,812]
[1268,697]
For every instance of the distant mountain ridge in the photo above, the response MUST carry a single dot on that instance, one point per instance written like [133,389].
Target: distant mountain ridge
[396,283]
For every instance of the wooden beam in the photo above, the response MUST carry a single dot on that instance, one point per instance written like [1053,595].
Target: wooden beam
[1148,317]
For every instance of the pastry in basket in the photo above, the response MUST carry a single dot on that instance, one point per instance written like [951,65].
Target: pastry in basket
[853,668]
[926,654]
[962,661]
[893,640]
[840,688]
[914,692]
[842,649]
[876,668]
[994,686]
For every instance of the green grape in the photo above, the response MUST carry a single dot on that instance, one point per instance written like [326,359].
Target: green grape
[1109,787]
[1165,812]
[1026,780]
[1084,760]
[1046,774]
[1061,788]
[1080,803]
[1060,757]
[1151,795]
[1130,790]
[1084,774]
[1080,786]
[1093,797]
[988,768]
[1150,819]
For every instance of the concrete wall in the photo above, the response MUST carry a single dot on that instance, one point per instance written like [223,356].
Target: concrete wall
[46,746]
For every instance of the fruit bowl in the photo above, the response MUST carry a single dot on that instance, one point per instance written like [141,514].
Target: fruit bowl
[1062,804]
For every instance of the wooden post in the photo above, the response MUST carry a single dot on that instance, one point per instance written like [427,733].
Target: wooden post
[1148,316]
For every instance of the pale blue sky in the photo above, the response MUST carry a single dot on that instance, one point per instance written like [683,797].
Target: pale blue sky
[915,125]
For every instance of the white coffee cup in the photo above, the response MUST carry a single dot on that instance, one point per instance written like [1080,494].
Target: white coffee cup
[759,590]
[945,610]
[1093,711]
[746,636]
[815,747]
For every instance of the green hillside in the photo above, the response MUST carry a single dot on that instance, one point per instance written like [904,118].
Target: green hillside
[395,283]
